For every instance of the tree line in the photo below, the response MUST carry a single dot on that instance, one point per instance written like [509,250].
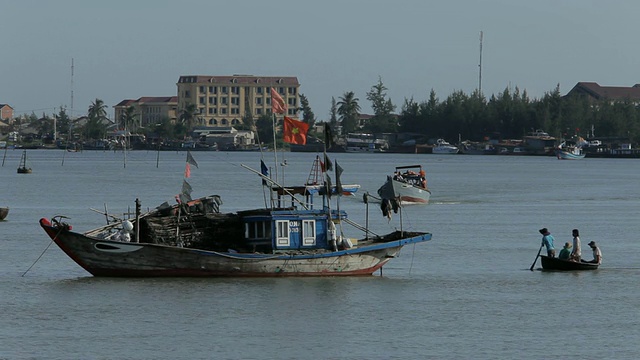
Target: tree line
[509,114]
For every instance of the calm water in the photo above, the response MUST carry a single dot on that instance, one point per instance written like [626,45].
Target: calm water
[466,294]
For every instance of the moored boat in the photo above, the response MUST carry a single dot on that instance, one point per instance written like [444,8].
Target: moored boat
[4,211]
[553,263]
[23,168]
[408,184]
[443,147]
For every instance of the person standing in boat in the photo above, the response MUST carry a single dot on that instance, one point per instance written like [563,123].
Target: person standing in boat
[576,253]
[565,253]
[547,241]
[597,254]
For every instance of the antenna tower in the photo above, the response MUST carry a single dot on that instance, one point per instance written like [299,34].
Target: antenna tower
[480,66]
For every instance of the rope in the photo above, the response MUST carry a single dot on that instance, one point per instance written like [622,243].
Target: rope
[45,250]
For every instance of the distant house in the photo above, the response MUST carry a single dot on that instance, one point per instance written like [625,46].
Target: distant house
[595,92]
[6,112]
[149,110]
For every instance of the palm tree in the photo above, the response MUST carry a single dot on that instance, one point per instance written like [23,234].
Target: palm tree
[97,114]
[188,116]
[348,109]
[129,118]
[97,110]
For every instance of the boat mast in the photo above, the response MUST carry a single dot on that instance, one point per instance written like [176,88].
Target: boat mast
[480,66]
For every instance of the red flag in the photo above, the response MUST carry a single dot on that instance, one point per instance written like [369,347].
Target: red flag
[277,103]
[187,171]
[295,132]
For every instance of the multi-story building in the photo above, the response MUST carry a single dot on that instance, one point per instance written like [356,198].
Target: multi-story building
[225,100]
[148,110]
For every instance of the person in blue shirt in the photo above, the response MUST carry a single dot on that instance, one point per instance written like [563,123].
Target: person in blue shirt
[547,241]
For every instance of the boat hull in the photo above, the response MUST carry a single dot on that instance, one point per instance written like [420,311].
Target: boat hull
[565,155]
[551,263]
[123,259]
[4,211]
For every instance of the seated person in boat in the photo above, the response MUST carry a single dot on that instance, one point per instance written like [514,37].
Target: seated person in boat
[597,254]
[565,253]
[397,176]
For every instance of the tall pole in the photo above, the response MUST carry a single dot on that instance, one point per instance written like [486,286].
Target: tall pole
[480,66]
[71,112]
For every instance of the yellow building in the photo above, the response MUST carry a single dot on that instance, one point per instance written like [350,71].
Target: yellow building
[148,110]
[226,100]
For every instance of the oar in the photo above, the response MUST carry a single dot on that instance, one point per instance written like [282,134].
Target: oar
[536,259]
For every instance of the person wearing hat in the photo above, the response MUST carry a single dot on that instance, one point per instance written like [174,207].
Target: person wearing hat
[576,253]
[565,253]
[547,241]
[597,254]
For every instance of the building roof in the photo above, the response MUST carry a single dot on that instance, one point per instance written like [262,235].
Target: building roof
[598,92]
[3,105]
[148,99]
[240,79]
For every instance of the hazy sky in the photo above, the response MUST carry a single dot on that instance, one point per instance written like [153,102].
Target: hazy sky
[129,49]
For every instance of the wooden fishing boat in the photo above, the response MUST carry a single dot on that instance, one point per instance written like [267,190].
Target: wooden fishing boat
[193,238]
[408,183]
[552,263]
[4,211]
[22,168]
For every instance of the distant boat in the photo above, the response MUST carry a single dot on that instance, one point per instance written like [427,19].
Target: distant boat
[316,185]
[408,183]
[23,169]
[443,147]
[362,142]
[4,211]
[566,151]
[552,263]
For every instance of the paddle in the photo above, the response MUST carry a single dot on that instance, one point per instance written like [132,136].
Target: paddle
[536,259]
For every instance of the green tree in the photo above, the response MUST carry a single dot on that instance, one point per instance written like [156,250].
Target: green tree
[348,110]
[188,116]
[333,116]
[63,122]
[307,114]
[97,114]
[383,120]
[129,119]
[264,126]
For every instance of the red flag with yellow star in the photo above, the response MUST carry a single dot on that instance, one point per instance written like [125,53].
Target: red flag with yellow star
[295,132]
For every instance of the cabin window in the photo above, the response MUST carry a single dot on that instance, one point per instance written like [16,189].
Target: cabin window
[308,232]
[257,230]
[282,233]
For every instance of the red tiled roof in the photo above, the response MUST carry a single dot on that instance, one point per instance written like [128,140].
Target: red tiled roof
[607,92]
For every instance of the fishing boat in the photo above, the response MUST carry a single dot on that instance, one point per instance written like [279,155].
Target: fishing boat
[443,147]
[569,152]
[408,183]
[363,142]
[22,168]
[193,238]
[553,263]
[4,211]
[316,183]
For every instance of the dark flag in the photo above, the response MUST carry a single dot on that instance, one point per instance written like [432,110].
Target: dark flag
[186,188]
[328,136]
[264,170]
[327,163]
[190,159]
[338,181]
[327,186]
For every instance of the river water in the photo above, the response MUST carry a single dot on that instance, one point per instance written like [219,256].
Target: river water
[468,293]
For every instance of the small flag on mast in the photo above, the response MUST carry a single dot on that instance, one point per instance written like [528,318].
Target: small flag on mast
[264,170]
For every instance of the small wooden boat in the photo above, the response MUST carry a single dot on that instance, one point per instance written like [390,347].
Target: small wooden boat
[552,263]
[22,168]
[4,211]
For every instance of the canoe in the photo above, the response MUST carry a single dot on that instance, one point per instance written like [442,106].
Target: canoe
[551,263]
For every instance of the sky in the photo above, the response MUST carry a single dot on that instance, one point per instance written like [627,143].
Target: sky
[130,49]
